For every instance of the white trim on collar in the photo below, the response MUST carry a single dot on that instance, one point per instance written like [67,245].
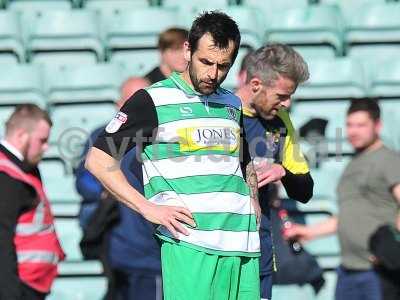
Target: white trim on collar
[12,149]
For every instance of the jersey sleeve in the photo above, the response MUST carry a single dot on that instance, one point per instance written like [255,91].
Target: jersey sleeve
[134,125]
[292,158]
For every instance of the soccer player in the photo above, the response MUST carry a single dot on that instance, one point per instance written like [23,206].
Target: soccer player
[270,76]
[193,181]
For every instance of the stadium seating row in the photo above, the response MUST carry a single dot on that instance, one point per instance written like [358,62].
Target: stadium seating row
[105,27]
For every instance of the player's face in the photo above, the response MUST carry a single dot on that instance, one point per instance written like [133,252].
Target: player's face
[362,130]
[209,65]
[175,59]
[268,100]
[37,143]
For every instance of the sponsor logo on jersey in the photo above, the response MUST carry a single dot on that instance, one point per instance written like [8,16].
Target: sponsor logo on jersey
[209,138]
[116,123]
[186,111]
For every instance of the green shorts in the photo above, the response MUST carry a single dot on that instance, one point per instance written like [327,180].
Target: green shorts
[189,274]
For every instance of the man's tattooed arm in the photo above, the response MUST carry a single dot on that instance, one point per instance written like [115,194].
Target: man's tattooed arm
[251,179]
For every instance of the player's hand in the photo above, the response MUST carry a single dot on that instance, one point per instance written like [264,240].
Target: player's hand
[169,216]
[267,172]
[299,233]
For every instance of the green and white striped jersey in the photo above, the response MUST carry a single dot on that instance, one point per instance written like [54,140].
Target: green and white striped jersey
[194,162]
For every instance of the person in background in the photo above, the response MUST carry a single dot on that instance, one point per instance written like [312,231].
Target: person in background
[29,247]
[267,80]
[132,255]
[170,46]
[368,197]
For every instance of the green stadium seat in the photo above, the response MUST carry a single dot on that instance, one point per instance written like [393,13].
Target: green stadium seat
[5,113]
[230,82]
[130,29]
[115,6]
[374,23]
[27,6]
[339,78]
[86,83]
[63,31]
[73,125]
[54,59]
[58,180]
[65,209]
[318,25]
[332,111]
[315,52]
[70,233]
[249,24]
[268,7]
[195,6]
[10,35]
[21,84]
[8,59]
[292,291]
[135,62]
[390,110]
[348,7]
[326,177]
[79,288]
[386,80]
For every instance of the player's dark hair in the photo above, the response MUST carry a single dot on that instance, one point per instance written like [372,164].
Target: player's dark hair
[369,105]
[220,26]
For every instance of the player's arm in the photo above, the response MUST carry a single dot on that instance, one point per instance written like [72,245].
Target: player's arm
[251,179]
[311,232]
[249,172]
[297,181]
[135,124]
[396,194]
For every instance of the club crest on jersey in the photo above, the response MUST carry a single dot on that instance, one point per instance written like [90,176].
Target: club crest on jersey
[116,123]
[231,112]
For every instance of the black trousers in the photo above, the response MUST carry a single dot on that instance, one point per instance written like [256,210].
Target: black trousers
[390,282]
[29,293]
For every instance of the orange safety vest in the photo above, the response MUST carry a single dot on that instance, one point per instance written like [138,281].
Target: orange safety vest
[37,247]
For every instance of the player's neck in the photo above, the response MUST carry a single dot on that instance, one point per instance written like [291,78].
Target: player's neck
[245,97]
[165,70]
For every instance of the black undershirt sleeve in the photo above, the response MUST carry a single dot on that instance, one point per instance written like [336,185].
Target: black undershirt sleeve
[244,148]
[298,186]
[136,125]
[15,200]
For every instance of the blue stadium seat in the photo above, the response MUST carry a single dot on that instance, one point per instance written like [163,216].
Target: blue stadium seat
[58,180]
[135,62]
[64,31]
[349,7]
[374,23]
[73,125]
[27,6]
[86,83]
[130,29]
[59,59]
[21,84]
[318,25]
[70,234]
[339,78]
[79,288]
[10,35]
[315,52]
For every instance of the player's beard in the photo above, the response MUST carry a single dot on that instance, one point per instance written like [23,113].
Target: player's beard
[200,86]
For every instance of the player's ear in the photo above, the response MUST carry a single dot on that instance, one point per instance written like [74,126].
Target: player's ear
[255,84]
[187,51]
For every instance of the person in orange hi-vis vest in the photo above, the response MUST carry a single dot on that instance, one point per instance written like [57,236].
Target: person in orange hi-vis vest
[29,247]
